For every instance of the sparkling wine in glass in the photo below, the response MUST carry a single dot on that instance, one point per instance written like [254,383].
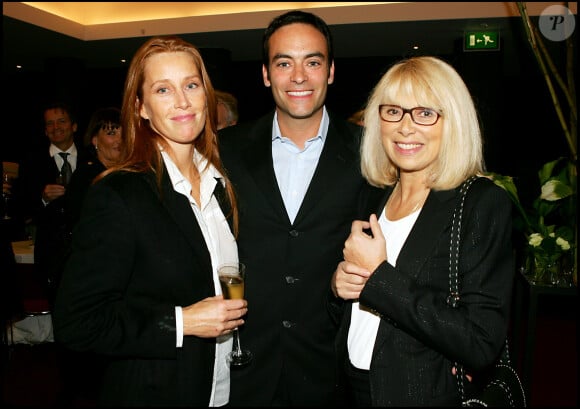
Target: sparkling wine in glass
[231,276]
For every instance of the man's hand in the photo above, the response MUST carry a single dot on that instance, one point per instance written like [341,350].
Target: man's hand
[52,191]
[349,280]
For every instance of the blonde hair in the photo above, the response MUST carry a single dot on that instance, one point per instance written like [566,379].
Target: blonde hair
[434,84]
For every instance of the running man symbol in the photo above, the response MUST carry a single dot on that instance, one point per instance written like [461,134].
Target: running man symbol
[487,39]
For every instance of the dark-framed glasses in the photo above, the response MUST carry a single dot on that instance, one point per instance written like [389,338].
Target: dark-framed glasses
[419,115]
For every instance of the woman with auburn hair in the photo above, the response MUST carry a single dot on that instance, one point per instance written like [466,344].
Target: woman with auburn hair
[140,287]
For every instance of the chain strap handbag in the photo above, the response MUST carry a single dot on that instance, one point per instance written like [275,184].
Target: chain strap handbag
[500,386]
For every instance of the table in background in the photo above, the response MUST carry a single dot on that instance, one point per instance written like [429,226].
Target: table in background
[526,337]
[36,323]
[23,251]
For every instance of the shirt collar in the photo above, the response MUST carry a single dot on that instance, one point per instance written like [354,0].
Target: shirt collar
[209,176]
[53,150]
[322,129]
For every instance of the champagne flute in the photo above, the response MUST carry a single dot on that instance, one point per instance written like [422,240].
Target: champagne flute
[231,276]
[6,187]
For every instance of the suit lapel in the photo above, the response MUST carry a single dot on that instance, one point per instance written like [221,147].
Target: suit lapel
[339,151]
[54,170]
[180,211]
[336,157]
[423,237]
[220,194]
[257,156]
[434,219]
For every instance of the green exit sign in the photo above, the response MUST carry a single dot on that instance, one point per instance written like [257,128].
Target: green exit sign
[481,40]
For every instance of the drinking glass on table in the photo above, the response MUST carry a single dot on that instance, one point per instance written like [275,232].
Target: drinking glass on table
[232,276]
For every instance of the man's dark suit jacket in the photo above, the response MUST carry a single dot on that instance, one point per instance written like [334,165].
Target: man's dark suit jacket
[136,254]
[81,181]
[36,171]
[289,265]
[420,336]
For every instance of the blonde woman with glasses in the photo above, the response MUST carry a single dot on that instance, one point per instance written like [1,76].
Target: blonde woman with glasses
[399,338]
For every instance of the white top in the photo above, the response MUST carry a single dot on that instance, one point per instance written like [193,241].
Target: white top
[363,323]
[222,248]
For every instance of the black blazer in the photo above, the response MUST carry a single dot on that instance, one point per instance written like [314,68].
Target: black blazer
[38,169]
[81,181]
[289,265]
[420,336]
[138,252]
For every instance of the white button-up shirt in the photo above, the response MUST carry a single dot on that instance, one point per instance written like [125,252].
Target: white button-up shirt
[222,248]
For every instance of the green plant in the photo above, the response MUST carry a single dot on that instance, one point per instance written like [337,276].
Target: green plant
[549,224]
[568,118]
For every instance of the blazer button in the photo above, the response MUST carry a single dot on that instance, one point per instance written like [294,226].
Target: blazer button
[293,233]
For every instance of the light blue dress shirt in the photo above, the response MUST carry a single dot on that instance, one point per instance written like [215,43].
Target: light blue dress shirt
[293,166]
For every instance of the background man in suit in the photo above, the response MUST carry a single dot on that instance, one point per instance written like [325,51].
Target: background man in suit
[41,185]
[296,171]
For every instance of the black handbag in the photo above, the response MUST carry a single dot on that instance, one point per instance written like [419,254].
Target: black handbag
[500,385]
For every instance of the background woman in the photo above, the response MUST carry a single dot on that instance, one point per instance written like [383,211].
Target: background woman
[106,147]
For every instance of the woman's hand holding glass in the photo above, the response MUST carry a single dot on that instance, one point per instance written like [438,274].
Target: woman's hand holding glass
[213,316]
[232,278]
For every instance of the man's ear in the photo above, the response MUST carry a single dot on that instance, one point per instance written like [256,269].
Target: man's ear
[331,74]
[266,76]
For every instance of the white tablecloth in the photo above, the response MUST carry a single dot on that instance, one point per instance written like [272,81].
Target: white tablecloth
[36,329]
[32,330]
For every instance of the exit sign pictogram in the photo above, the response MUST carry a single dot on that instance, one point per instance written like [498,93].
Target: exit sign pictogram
[481,40]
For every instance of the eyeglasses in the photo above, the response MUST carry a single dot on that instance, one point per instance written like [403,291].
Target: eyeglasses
[419,115]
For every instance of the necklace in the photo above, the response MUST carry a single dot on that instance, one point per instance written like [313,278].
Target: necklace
[419,203]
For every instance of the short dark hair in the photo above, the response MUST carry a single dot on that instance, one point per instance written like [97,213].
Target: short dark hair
[63,106]
[100,117]
[292,17]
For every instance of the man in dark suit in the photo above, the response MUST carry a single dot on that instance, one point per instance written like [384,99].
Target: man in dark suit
[40,188]
[296,172]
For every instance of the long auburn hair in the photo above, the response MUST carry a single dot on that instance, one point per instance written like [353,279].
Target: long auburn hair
[142,142]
